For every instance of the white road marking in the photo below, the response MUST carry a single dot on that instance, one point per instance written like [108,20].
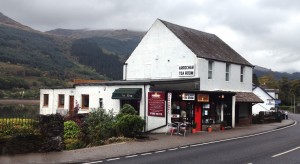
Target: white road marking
[161,151]
[172,149]
[93,162]
[146,154]
[130,156]
[112,159]
[183,147]
[286,152]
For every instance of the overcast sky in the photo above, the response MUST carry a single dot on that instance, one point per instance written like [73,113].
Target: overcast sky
[265,32]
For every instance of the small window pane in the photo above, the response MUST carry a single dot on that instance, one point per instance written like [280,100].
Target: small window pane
[61,100]
[85,102]
[46,99]
[242,73]
[227,72]
[210,70]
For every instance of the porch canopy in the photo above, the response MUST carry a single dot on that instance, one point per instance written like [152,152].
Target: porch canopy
[247,97]
[127,94]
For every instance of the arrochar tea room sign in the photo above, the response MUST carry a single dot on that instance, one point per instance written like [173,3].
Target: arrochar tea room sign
[156,104]
[186,70]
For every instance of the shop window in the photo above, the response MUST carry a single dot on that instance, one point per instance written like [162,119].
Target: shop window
[61,101]
[134,103]
[242,73]
[85,101]
[182,111]
[210,69]
[211,114]
[46,100]
[227,73]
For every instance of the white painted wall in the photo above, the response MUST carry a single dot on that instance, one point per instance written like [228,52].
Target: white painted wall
[267,105]
[158,56]
[53,100]
[96,92]
[218,82]
[160,53]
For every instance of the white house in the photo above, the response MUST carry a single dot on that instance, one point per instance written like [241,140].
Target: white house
[173,69]
[269,97]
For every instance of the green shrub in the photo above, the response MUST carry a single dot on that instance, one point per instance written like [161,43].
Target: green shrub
[100,126]
[130,125]
[71,130]
[73,143]
[127,109]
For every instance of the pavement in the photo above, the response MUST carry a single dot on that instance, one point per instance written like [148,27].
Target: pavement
[155,142]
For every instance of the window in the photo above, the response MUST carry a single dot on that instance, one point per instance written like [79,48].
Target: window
[210,69]
[46,99]
[227,73]
[61,101]
[85,101]
[134,103]
[101,103]
[242,73]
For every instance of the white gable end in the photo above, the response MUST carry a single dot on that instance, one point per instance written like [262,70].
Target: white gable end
[159,56]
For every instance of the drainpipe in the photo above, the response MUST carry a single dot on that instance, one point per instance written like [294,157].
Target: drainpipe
[53,102]
[125,71]
[145,109]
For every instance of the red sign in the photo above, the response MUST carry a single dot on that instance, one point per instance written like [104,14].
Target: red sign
[156,104]
[203,98]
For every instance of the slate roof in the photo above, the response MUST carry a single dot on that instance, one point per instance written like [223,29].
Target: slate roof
[206,45]
[249,97]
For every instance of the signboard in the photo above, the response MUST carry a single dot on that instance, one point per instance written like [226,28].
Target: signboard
[277,102]
[188,96]
[169,102]
[270,102]
[186,70]
[156,104]
[203,98]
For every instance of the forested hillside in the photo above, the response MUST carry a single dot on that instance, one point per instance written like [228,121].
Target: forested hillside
[30,59]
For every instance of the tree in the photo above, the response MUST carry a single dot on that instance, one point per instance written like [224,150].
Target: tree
[255,80]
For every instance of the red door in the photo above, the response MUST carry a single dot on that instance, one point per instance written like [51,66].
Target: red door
[198,117]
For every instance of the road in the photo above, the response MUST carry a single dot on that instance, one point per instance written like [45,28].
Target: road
[282,146]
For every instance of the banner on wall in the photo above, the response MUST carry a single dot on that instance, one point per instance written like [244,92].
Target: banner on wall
[169,102]
[156,104]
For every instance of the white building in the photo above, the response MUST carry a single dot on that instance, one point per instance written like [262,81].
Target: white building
[173,68]
[269,97]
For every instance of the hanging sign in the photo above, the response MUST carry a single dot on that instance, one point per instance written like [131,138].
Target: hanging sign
[186,70]
[188,96]
[203,98]
[156,104]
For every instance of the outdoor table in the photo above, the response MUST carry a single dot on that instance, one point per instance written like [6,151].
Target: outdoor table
[178,128]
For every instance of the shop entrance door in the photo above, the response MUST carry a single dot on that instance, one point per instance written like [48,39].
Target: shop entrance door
[198,118]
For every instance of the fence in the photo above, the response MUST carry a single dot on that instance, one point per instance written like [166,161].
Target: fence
[18,122]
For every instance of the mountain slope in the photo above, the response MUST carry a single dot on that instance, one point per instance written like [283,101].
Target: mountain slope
[56,58]
[4,20]
[260,71]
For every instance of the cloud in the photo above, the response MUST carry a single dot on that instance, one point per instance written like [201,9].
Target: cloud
[265,32]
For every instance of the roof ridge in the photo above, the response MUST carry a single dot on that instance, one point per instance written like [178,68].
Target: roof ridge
[206,45]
